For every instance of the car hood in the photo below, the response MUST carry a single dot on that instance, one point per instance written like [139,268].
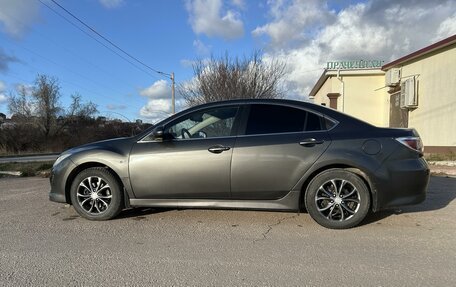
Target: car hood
[117,145]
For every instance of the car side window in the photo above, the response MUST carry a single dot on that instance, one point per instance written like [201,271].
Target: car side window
[210,123]
[328,124]
[271,119]
[313,122]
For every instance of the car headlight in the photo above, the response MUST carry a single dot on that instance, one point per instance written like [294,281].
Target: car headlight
[61,158]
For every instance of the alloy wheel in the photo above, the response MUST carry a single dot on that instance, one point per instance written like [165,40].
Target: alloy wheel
[337,200]
[94,195]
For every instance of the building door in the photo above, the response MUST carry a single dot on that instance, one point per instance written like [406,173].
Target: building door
[398,117]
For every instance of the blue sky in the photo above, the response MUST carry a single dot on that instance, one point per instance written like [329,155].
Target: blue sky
[168,35]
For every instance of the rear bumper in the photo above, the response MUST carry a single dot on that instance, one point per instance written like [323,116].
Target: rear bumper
[401,182]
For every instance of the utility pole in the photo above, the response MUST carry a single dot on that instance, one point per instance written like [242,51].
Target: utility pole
[173,84]
[173,99]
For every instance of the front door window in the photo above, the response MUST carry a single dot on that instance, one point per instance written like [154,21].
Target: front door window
[204,124]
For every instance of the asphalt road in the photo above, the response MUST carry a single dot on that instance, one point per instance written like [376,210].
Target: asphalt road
[47,157]
[48,244]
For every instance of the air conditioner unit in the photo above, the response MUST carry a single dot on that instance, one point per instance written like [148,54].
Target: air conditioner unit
[409,97]
[392,77]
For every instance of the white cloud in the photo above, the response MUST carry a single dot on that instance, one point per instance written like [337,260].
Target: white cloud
[16,16]
[351,36]
[186,63]
[114,107]
[208,17]
[3,97]
[447,28]
[201,48]
[239,3]
[110,4]
[158,105]
[158,90]
[5,60]
[381,29]
[295,21]
[155,108]
[24,88]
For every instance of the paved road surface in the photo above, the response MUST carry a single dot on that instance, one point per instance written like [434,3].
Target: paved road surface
[48,157]
[47,244]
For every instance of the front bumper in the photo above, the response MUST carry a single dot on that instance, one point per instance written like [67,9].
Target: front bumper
[58,180]
[402,182]
[57,197]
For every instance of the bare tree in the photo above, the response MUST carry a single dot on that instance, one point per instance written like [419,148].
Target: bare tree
[81,110]
[77,112]
[40,123]
[227,78]
[21,104]
[46,94]
[40,105]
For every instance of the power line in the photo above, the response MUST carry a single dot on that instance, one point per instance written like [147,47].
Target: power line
[168,75]
[61,46]
[101,43]
[109,41]
[69,51]
[62,66]
[83,87]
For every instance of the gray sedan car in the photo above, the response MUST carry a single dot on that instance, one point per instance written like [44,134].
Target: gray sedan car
[248,154]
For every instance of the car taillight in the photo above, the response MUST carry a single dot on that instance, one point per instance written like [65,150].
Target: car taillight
[412,142]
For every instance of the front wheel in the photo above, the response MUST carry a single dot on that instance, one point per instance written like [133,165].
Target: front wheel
[337,199]
[96,194]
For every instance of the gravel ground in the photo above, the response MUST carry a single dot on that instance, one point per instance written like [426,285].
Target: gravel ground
[48,244]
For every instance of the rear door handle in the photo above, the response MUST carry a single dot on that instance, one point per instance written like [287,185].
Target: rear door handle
[310,142]
[218,148]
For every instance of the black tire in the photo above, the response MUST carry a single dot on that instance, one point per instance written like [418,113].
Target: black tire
[348,203]
[107,201]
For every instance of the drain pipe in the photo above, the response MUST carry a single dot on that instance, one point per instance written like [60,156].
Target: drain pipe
[342,90]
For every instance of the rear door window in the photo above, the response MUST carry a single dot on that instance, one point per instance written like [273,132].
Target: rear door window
[313,122]
[272,119]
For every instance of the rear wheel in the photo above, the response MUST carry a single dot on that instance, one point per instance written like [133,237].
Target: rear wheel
[337,199]
[96,194]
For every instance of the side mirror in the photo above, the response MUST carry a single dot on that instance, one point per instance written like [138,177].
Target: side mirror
[159,133]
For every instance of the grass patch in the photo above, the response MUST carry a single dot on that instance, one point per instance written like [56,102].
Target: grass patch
[27,168]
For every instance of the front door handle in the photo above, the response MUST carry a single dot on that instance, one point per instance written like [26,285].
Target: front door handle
[310,142]
[218,148]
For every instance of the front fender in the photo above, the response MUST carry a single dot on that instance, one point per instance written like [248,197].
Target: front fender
[116,161]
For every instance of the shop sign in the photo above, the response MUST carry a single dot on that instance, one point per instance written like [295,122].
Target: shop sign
[356,64]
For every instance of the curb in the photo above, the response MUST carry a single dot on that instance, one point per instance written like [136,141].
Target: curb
[12,173]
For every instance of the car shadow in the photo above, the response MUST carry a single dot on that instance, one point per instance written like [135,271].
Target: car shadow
[140,213]
[440,193]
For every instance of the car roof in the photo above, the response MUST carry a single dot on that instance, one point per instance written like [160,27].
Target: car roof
[260,101]
[330,112]
[346,122]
